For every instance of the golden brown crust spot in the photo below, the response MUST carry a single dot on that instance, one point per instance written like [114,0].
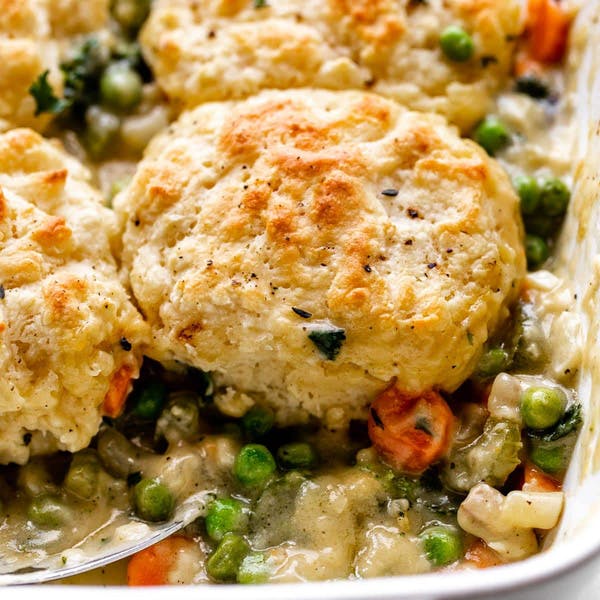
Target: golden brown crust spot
[54,232]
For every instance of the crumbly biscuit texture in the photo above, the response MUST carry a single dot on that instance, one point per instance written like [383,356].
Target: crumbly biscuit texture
[250,226]
[63,309]
[35,35]
[205,50]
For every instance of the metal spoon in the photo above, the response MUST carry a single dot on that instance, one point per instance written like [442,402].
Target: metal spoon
[93,552]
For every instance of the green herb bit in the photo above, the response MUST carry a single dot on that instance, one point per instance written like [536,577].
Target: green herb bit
[328,341]
[260,4]
[82,73]
[45,99]
[569,423]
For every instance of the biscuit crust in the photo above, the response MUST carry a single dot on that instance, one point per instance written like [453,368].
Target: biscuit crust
[63,309]
[250,225]
[34,35]
[207,50]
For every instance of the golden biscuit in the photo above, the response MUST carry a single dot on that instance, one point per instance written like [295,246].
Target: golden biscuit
[206,50]
[34,36]
[309,246]
[67,327]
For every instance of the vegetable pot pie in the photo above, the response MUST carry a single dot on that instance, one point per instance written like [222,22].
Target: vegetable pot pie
[225,49]
[35,36]
[70,336]
[311,246]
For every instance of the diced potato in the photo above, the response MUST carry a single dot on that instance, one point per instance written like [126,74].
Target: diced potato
[479,514]
[504,400]
[540,510]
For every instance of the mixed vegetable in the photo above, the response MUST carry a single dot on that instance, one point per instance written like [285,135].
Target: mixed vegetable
[466,480]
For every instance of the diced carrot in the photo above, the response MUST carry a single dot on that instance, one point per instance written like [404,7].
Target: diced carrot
[535,480]
[114,401]
[548,26]
[480,556]
[525,65]
[152,566]
[410,432]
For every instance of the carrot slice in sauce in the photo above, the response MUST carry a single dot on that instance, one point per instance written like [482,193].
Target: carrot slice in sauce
[480,556]
[548,25]
[153,565]
[114,401]
[535,480]
[410,432]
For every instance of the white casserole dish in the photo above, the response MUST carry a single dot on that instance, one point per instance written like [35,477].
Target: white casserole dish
[570,565]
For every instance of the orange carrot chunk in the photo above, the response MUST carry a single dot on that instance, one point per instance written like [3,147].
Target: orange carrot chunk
[480,556]
[410,432]
[535,480]
[152,566]
[548,25]
[114,401]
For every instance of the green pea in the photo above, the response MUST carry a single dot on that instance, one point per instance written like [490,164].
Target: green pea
[131,14]
[442,545]
[48,512]
[82,477]
[298,455]
[121,86]
[541,225]
[254,464]
[492,135]
[225,515]
[554,197]
[542,407]
[536,250]
[150,399]
[529,193]
[153,500]
[225,561]
[254,569]
[551,459]
[101,130]
[457,44]
[258,421]
[494,361]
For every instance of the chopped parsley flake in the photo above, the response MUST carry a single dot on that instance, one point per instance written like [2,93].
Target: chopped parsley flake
[569,423]
[260,3]
[302,313]
[46,100]
[328,341]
